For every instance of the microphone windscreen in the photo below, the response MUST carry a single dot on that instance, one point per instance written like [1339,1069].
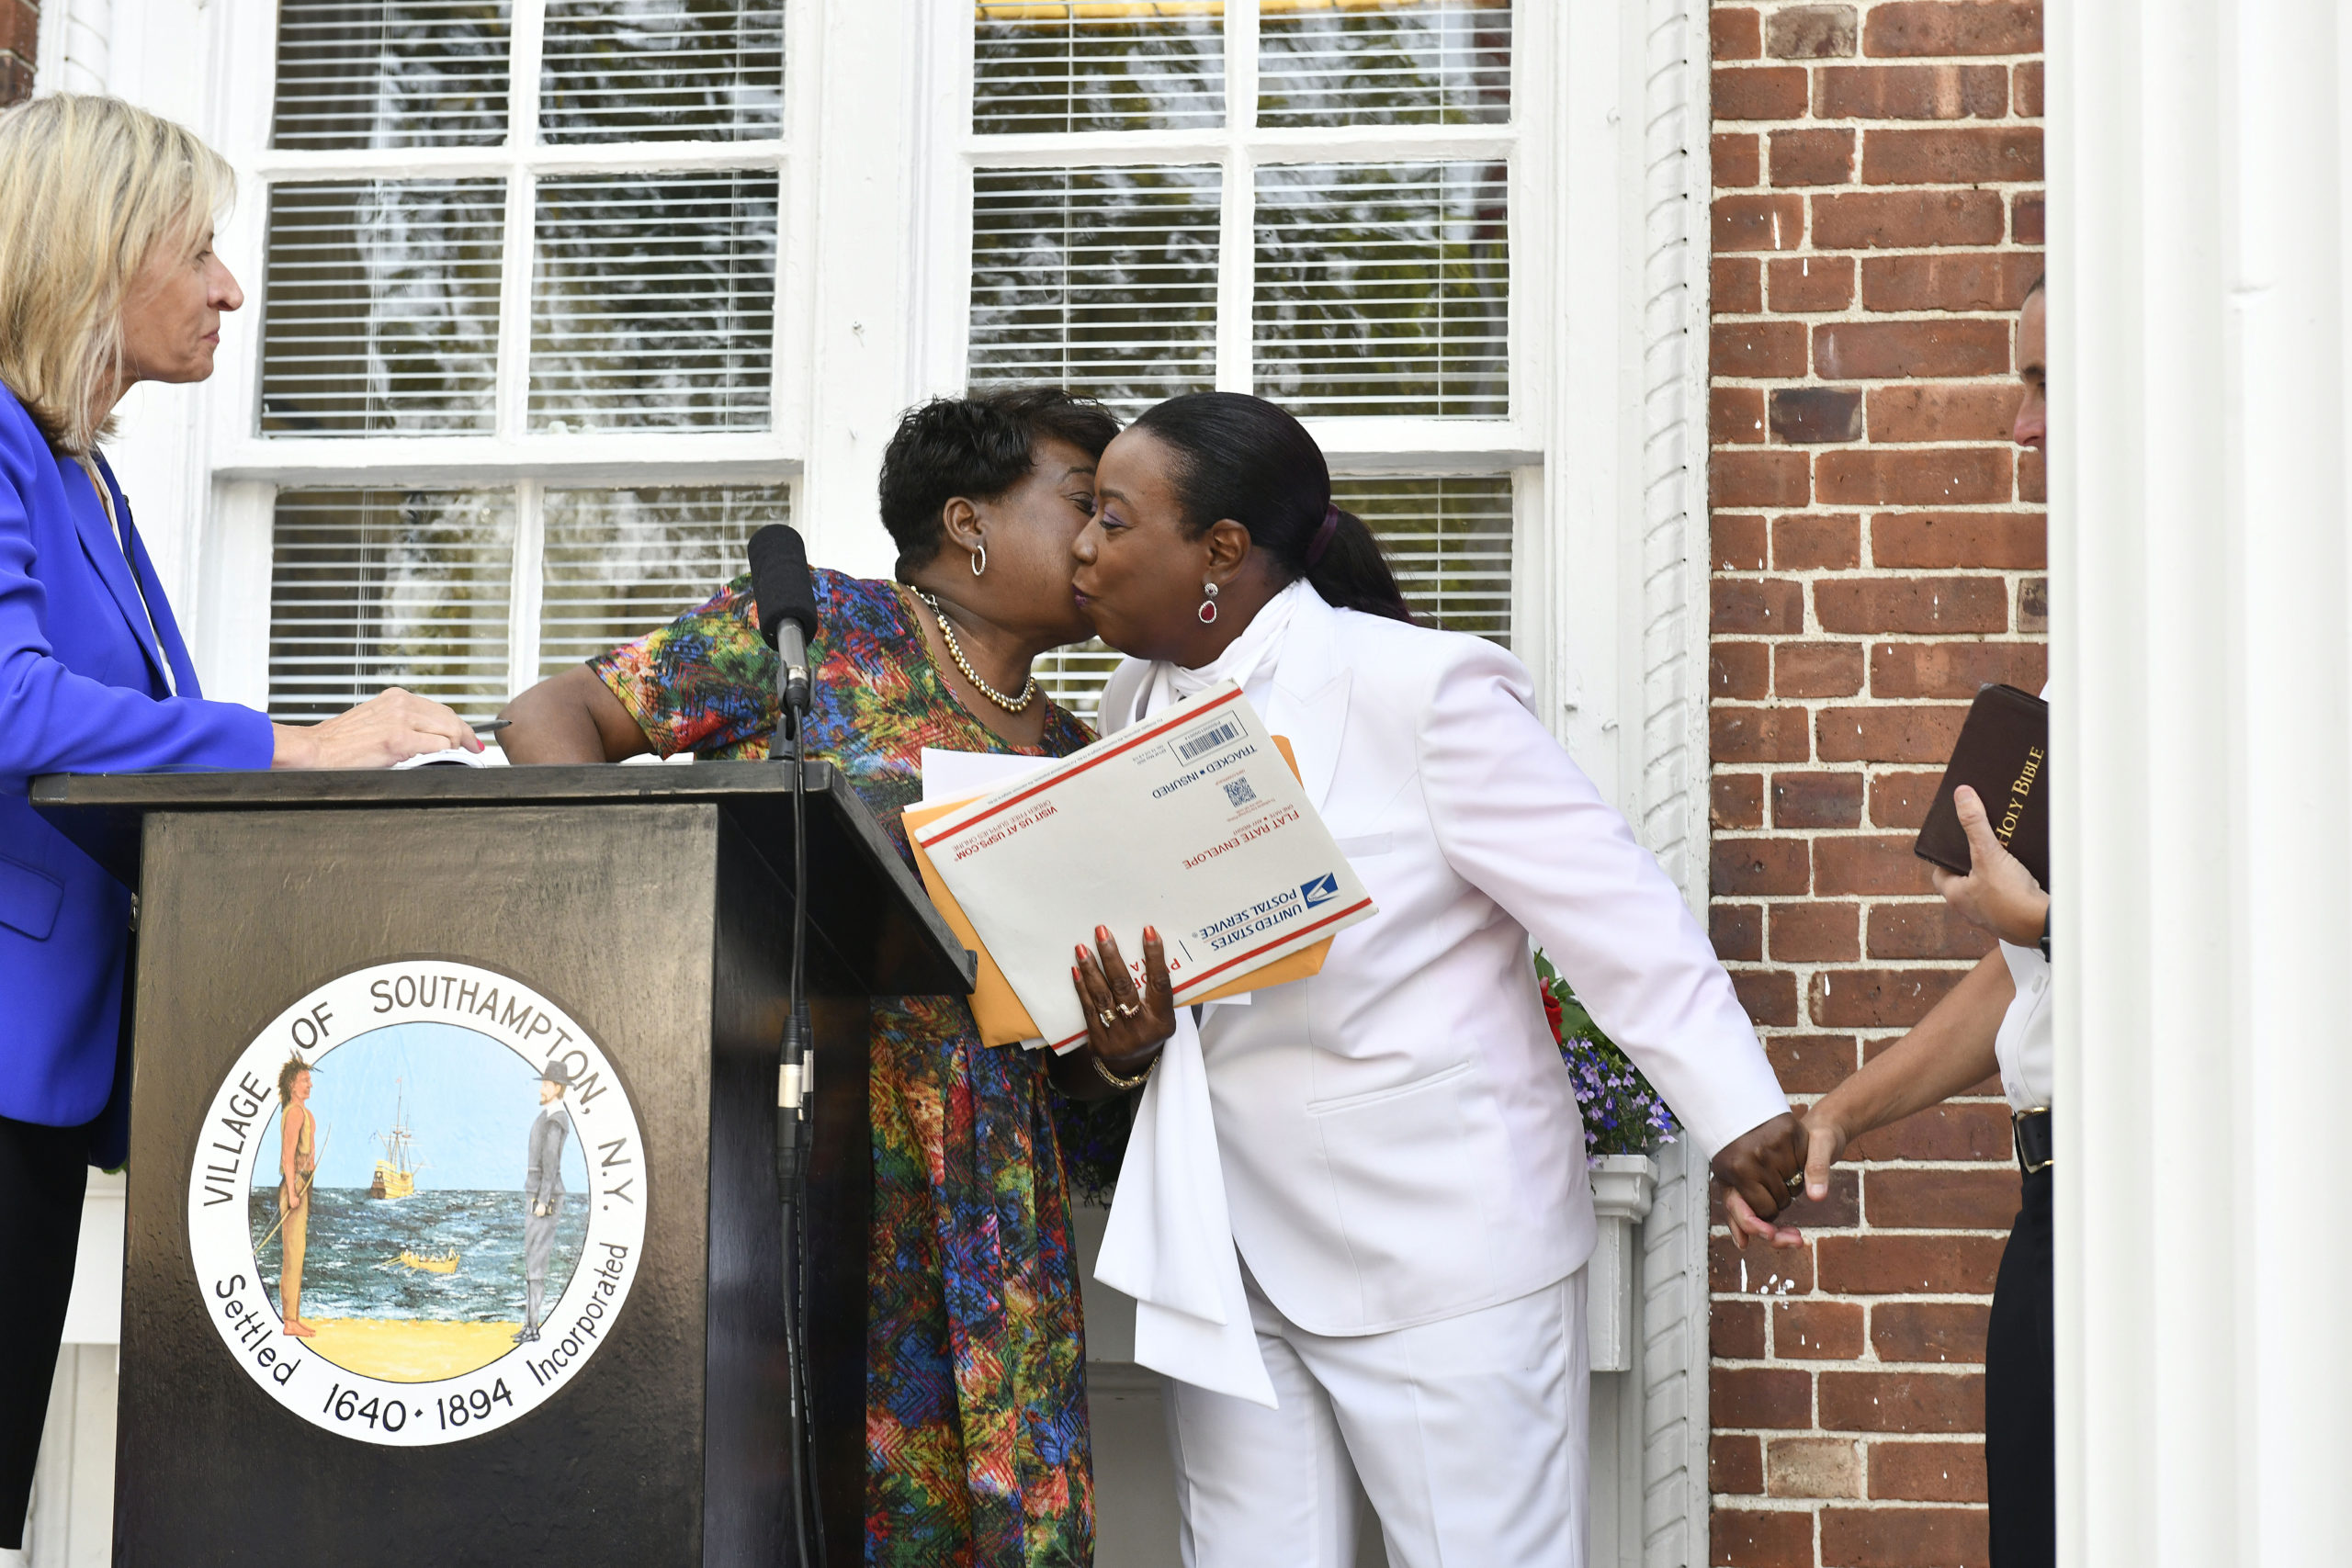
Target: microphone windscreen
[780,581]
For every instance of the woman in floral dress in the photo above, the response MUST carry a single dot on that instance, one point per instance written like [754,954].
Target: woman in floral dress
[977,1449]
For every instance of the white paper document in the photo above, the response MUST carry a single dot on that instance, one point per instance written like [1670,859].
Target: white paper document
[960,775]
[1190,821]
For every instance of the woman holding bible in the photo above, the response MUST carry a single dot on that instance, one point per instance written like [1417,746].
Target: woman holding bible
[1400,1148]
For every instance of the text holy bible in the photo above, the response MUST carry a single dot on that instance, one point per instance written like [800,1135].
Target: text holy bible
[2004,755]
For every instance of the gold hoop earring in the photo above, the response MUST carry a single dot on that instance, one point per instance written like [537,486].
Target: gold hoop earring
[979,557]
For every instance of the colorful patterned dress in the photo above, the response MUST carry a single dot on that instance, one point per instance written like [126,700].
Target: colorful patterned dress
[977,1450]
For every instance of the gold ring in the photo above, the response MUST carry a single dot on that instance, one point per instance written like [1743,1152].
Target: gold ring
[1108,1021]
[1128,1010]
[1796,1184]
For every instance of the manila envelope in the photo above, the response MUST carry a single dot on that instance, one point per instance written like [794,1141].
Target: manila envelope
[1002,1020]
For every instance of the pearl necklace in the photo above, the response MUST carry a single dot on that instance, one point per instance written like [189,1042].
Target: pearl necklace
[955,652]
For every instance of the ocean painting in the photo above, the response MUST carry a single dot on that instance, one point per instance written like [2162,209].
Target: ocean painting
[416,1266]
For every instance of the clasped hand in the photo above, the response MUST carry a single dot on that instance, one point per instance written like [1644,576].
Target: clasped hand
[1759,1170]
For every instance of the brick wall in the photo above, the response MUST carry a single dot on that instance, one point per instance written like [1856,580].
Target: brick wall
[19,49]
[1877,554]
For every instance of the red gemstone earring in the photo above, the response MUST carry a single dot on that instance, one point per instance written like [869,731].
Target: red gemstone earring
[1208,605]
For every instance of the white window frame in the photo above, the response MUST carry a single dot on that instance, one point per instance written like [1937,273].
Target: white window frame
[248,468]
[1355,445]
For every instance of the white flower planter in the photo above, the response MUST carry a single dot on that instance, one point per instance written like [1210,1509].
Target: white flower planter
[1623,1187]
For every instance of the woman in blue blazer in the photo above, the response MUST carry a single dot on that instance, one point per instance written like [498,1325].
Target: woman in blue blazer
[106,279]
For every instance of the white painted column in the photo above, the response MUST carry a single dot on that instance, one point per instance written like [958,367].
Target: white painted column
[2203,854]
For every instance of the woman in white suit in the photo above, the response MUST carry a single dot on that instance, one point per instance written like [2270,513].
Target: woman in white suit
[1400,1145]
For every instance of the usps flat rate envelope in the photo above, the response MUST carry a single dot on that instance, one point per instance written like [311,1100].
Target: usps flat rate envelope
[1190,821]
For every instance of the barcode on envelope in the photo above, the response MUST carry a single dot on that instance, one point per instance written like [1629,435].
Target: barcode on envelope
[1222,734]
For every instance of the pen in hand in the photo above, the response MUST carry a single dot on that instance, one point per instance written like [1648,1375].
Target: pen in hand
[491,727]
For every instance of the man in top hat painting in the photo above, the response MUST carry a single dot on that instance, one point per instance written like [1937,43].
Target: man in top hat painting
[542,1193]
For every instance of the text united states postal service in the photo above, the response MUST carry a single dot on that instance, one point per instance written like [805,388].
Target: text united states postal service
[1190,821]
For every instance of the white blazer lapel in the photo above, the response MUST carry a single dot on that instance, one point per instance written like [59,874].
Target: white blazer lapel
[1310,702]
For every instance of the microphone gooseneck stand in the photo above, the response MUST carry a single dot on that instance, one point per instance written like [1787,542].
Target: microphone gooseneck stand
[788,609]
[795,1085]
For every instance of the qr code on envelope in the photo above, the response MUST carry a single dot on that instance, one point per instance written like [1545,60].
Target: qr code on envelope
[1239,792]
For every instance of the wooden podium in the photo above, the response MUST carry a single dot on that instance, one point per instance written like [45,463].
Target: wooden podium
[628,922]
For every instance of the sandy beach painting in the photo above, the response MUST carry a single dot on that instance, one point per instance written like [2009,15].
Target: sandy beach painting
[414,1267]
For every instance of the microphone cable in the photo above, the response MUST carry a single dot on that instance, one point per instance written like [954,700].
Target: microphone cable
[786,602]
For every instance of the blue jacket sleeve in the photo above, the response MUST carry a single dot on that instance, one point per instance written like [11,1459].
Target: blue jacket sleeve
[52,720]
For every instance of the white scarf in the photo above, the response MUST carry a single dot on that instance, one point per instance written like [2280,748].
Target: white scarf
[1247,660]
[1169,1242]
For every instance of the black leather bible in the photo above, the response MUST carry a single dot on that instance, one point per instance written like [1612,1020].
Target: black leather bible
[2004,755]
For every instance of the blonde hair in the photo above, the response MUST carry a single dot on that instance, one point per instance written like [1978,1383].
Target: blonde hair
[91,189]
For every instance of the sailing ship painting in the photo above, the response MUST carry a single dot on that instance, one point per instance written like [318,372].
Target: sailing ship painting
[396,1171]
[416,1268]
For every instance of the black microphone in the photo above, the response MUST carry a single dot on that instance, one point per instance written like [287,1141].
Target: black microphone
[787,602]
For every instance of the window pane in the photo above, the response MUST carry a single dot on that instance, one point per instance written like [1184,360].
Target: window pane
[1099,281]
[377,588]
[621,562]
[1384,288]
[391,74]
[1384,63]
[1449,542]
[381,312]
[653,303]
[1089,66]
[1074,676]
[662,69]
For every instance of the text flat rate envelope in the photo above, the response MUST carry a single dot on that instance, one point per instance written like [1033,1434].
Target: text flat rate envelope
[1190,821]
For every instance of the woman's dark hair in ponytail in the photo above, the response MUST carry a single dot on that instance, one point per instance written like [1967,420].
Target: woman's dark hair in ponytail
[1243,458]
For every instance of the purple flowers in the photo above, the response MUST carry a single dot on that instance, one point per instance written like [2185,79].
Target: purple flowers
[1623,1114]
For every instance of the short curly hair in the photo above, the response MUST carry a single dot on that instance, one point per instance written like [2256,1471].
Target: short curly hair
[979,447]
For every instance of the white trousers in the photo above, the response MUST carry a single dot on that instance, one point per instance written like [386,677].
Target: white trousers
[1468,1435]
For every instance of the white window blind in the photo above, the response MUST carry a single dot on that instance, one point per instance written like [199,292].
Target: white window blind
[620,562]
[1137,235]
[648,292]
[1384,288]
[1096,67]
[606,261]
[386,73]
[377,588]
[380,307]
[1102,280]
[654,70]
[653,301]
[1379,63]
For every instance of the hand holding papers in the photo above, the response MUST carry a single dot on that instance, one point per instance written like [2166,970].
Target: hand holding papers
[1192,822]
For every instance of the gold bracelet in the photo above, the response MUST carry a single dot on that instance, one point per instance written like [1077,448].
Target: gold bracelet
[1114,1079]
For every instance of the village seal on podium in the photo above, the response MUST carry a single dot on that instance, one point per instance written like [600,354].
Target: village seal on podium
[417,1203]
